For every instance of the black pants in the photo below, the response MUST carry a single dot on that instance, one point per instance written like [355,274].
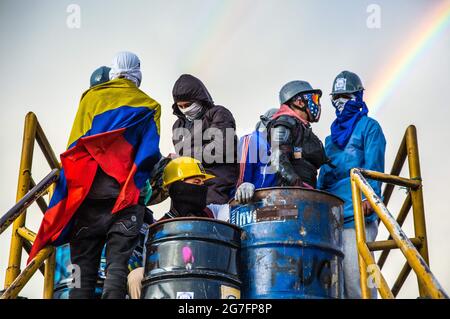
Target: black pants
[94,225]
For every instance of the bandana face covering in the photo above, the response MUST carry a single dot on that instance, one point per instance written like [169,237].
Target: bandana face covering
[339,104]
[192,111]
[346,119]
[188,199]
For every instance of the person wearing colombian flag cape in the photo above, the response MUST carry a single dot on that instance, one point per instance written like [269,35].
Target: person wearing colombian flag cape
[113,146]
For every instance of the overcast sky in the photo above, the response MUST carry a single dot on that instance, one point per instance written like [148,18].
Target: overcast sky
[244,51]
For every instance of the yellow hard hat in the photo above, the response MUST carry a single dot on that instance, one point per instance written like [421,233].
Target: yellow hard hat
[184,167]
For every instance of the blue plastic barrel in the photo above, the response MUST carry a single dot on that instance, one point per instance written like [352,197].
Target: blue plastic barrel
[291,244]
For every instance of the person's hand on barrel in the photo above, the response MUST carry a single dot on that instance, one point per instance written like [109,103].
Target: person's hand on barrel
[244,193]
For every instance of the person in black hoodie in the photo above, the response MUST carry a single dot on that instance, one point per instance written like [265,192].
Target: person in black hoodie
[207,132]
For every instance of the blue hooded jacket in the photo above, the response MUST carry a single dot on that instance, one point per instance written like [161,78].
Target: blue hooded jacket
[365,149]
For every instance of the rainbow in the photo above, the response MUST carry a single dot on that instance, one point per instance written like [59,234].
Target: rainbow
[391,75]
[222,19]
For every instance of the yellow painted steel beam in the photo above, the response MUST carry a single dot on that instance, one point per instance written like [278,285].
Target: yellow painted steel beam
[27,247]
[406,207]
[387,245]
[46,148]
[386,178]
[375,272]
[27,234]
[417,197]
[17,285]
[40,201]
[49,275]
[404,273]
[414,258]
[28,199]
[360,238]
[399,161]
[15,250]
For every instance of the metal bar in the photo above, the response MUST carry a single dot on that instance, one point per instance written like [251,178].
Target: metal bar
[27,248]
[49,276]
[416,261]
[17,285]
[46,148]
[360,238]
[375,272]
[391,179]
[417,197]
[365,259]
[27,234]
[400,220]
[387,245]
[401,279]
[40,201]
[15,250]
[396,169]
[28,199]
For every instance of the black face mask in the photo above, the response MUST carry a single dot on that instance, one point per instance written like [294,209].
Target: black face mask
[188,199]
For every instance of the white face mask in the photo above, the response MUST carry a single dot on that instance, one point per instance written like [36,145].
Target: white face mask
[192,111]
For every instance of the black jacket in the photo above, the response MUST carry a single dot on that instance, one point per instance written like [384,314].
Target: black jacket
[221,164]
[302,153]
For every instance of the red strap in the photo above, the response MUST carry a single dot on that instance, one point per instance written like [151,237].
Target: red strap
[209,213]
[244,153]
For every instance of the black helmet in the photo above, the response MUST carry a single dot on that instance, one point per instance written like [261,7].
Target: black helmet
[346,83]
[291,89]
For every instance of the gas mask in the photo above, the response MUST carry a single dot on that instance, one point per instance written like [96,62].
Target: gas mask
[312,105]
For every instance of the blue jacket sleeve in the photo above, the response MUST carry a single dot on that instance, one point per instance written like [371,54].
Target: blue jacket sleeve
[374,152]
[324,169]
[321,180]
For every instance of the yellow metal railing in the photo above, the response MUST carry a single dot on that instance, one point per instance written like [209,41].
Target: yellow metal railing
[22,237]
[414,249]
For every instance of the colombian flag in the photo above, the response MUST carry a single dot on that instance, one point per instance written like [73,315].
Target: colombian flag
[116,128]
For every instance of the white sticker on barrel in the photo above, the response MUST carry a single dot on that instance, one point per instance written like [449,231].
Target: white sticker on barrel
[185,295]
[229,292]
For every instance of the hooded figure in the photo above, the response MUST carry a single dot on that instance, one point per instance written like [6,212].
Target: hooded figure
[112,149]
[126,65]
[205,131]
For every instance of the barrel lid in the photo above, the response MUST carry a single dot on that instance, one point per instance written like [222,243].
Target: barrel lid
[260,191]
[204,219]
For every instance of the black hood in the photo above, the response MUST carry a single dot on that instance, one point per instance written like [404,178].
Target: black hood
[189,88]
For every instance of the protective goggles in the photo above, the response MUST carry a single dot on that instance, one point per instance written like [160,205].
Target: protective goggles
[314,97]
[312,102]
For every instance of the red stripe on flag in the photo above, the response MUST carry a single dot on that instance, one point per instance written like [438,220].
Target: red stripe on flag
[115,155]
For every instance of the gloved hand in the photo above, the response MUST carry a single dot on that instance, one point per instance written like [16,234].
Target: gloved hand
[244,193]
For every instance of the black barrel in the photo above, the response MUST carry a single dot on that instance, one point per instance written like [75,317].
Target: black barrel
[192,258]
